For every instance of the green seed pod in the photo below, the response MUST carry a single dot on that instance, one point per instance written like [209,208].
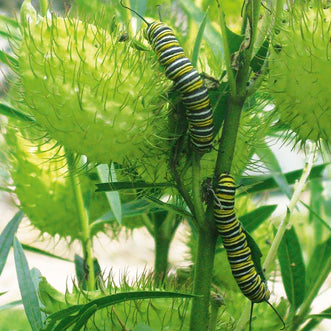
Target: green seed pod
[44,188]
[300,72]
[93,93]
[159,314]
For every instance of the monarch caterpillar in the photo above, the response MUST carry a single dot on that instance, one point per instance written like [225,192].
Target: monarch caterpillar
[187,80]
[251,283]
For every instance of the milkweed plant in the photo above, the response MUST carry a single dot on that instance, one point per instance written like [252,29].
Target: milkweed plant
[111,122]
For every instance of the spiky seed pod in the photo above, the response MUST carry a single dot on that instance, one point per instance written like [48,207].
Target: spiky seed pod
[300,71]
[91,92]
[43,186]
[158,314]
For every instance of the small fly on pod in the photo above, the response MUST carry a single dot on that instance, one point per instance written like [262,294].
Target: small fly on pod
[187,81]
[251,283]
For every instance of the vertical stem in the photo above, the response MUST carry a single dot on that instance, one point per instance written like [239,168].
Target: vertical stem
[229,136]
[205,255]
[202,279]
[83,220]
[162,245]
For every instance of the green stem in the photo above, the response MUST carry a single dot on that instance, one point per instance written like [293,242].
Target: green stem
[229,136]
[202,278]
[162,246]
[205,255]
[299,188]
[83,220]
[162,242]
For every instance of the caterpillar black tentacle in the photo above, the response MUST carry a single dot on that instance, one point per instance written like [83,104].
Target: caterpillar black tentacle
[187,80]
[250,282]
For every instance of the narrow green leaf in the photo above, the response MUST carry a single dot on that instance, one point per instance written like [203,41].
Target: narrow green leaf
[321,256]
[211,35]
[253,219]
[45,253]
[259,58]
[317,216]
[316,319]
[83,317]
[7,236]
[321,315]
[109,175]
[255,184]
[129,209]
[27,289]
[9,111]
[168,206]
[198,41]
[11,304]
[219,102]
[256,254]
[269,159]
[108,187]
[292,268]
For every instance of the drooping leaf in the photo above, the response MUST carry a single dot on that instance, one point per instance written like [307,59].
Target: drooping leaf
[27,288]
[113,197]
[316,319]
[7,236]
[211,35]
[219,101]
[253,219]
[292,268]
[256,255]
[11,304]
[317,216]
[45,253]
[260,57]
[129,209]
[71,316]
[269,159]
[255,184]
[168,206]
[108,187]
[198,41]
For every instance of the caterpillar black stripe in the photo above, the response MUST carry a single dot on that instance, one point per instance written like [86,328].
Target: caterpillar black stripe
[187,80]
[235,242]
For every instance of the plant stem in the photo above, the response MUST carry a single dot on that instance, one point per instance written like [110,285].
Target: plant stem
[229,136]
[205,255]
[83,220]
[202,278]
[162,244]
